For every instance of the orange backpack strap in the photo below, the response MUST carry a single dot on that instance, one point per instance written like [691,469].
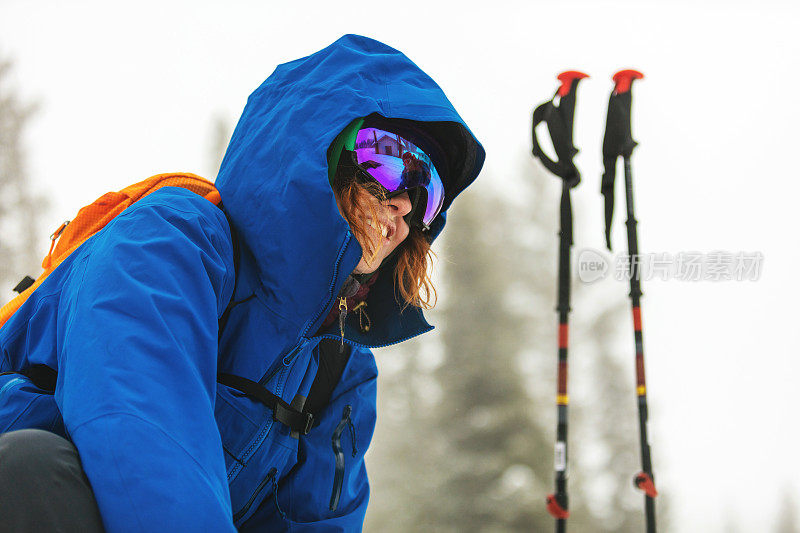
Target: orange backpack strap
[94,217]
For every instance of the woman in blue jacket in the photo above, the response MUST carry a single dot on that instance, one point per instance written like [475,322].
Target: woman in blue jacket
[156,322]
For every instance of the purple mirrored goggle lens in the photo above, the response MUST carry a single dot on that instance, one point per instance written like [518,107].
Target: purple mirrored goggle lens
[399,165]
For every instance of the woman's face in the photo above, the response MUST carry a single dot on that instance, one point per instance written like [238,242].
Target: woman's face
[387,233]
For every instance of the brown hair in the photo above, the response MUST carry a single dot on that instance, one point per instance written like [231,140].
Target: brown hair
[412,275]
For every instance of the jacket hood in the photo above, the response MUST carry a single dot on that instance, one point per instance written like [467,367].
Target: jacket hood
[274,177]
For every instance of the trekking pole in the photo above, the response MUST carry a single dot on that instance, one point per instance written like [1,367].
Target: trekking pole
[618,141]
[559,121]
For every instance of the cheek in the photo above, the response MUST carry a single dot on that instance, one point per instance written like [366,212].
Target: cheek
[368,242]
[402,234]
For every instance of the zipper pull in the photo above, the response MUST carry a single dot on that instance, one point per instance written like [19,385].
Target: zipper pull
[336,441]
[53,238]
[361,307]
[342,317]
[349,289]
[352,434]
[274,474]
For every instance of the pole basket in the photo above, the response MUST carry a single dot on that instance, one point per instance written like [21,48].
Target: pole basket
[555,509]
[644,482]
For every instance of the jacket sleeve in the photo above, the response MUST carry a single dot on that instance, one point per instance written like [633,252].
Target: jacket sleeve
[137,364]
[305,494]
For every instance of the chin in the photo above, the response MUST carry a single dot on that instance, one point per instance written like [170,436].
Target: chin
[364,268]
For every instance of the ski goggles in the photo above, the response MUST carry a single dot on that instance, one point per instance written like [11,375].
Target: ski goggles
[399,165]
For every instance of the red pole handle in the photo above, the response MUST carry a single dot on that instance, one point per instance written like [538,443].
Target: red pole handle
[624,79]
[566,81]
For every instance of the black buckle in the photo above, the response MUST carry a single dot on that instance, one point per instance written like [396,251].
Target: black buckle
[295,420]
[309,423]
[22,286]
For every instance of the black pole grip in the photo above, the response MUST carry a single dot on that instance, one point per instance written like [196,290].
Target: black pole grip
[559,120]
[618,139]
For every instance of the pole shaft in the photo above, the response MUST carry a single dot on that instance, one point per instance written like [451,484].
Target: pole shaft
[562,395]
[641,385]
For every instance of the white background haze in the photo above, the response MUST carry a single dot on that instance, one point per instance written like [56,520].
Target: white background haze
[127,90]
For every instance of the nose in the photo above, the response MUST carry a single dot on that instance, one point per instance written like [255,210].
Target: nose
[400,205]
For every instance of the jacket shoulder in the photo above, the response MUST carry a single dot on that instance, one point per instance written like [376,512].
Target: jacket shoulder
[180,200]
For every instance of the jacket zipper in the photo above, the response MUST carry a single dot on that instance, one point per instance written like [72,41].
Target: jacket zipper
[270,477]
[342,318]
[332,285]
[333,298]
[285,362]
[336,440]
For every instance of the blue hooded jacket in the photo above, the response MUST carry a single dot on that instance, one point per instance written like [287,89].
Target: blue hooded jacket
[130,319]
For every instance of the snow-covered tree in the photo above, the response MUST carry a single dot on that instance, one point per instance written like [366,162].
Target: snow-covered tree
[466,419]
[19,206]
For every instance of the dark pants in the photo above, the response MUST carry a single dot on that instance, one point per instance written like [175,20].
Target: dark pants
[42,485]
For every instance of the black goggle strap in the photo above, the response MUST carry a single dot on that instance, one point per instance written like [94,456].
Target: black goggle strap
[345,141]
[419,199]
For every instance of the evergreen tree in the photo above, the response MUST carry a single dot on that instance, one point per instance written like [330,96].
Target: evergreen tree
[788,519]
[20,208]
[466,426]
[605,440]
[402,460]
[461,419]
[220,137]
[496,455]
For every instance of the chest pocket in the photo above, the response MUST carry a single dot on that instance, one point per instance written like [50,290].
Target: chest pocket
[257,448]
[261,432]
[328,489]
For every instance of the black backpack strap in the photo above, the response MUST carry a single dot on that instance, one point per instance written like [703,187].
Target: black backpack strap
[331,366]
[299,421]
[284,413]
[332,362]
